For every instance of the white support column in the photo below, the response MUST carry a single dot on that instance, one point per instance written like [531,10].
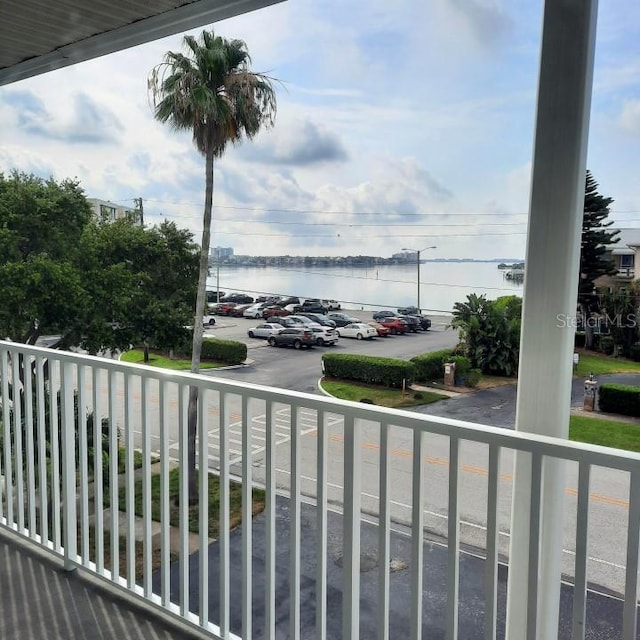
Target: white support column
[550,293]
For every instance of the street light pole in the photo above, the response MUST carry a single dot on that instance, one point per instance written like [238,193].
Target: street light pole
[418,252]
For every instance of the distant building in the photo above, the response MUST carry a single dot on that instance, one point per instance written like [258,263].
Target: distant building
[221,253]
[624,254]
[109,211]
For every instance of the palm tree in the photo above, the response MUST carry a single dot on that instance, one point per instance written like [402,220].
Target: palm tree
[212,92]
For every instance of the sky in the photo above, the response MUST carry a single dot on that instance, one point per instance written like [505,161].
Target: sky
[401,125]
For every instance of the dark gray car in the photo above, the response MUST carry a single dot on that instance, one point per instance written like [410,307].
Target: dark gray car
[295,337]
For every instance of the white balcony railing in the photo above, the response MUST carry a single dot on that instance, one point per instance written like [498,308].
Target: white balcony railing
[398,468]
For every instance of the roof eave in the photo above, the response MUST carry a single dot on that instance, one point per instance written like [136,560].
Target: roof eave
[189,16]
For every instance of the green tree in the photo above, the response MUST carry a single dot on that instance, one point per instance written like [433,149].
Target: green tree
[97,285]
[141,284]
[595,256]
[490,332]
[211,92]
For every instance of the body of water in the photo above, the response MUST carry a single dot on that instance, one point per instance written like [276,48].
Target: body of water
[442,284]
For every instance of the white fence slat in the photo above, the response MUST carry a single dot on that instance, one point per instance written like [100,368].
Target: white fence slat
[270,521]
[294,528]
[534,545]
[384,537]
[582,554]
[630,609]
[247,519]
[493,532]
[203,522]
[453,542]
[321,525]
[351,530]
[417,535]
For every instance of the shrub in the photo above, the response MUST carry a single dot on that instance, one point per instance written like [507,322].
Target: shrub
[430,366]
[607,345]
[472,378]
[390,372]
[229,351]
[620,398]
[634,352]
[463,365]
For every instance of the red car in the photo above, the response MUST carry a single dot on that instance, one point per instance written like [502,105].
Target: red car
[381,329]
[224,308]
[268,312]
[395,325]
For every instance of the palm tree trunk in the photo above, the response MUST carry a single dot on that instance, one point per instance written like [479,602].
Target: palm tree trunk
[192,416]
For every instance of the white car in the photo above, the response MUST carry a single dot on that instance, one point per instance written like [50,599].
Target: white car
[324,335]
[208,320]
[303,320]
[254,311]
[358,330]
[331,305]
[265,330]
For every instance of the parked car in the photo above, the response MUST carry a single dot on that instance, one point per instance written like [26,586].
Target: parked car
[396,325]
[304,320]
[288,321]
[358,330]
[274,310]
[324,335]
[238,298]
[408,311]
[295,337]
[265,330]
[223,308]
[313,306]
[385,313]
[381,329]
[213,297]
[331,305]
[425,323]
[283,302]
[321,319]
[342,319]
[254,311]
[239,309]
[412,322]
[208,320]
[292,308]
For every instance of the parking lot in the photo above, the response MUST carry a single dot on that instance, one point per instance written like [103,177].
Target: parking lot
[300,370]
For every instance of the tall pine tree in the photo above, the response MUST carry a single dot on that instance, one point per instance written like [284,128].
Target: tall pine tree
[595,256]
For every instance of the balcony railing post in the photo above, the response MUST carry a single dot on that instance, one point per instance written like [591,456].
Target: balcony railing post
[553,251]
[68,468]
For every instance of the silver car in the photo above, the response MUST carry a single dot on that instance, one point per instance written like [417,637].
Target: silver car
[265,330]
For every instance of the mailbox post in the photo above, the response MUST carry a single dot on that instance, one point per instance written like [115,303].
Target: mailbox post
[590,392]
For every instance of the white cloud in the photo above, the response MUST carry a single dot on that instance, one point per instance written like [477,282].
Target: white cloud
[629,118]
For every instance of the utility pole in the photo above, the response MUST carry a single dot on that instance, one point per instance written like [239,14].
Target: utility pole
[140,208]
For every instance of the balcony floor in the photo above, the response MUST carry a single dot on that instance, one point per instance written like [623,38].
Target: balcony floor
[38,599]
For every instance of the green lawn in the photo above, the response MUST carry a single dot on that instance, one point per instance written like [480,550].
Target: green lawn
[235,502]
[136,356]
[381,396]
[608,433]
[599,364]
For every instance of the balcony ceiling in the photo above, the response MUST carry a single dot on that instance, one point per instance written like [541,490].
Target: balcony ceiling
[37,36]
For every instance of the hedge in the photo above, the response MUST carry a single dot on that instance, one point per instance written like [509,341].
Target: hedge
[390,372]
[229,351]
[620,398]
[430,366]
